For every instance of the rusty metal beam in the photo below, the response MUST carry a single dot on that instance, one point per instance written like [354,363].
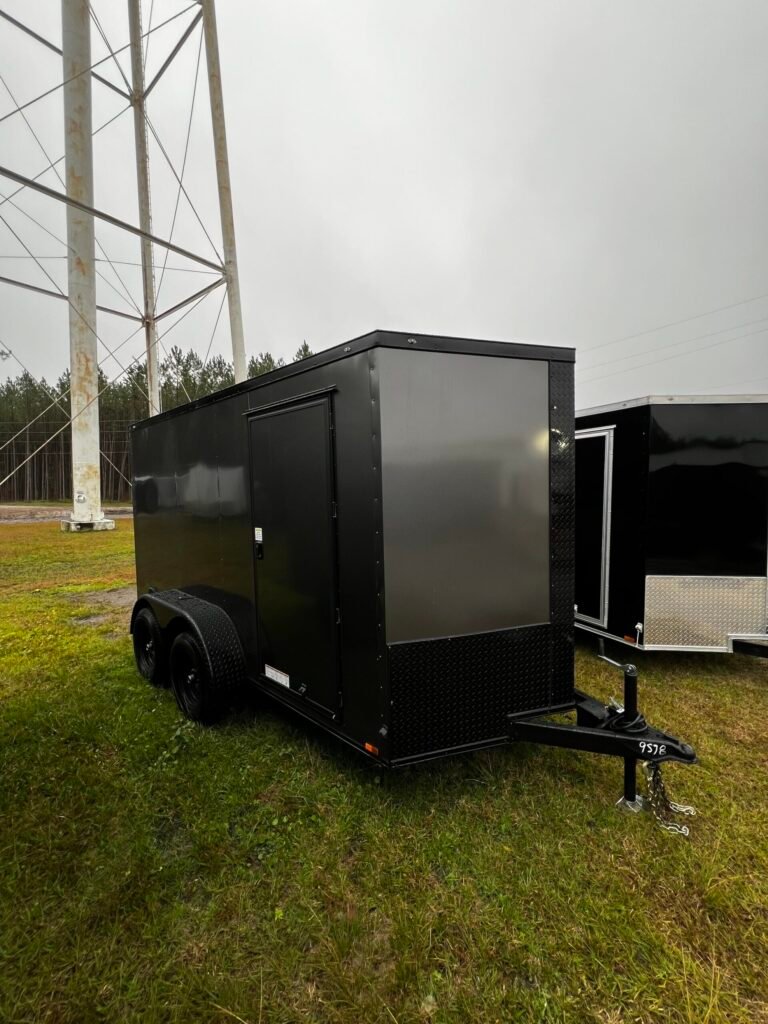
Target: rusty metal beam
[225,188]
[169,59]
[192,298]
[52,46]
[76,204]
[145,208]
[60,295]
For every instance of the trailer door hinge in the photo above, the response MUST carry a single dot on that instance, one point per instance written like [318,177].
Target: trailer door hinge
[334,510]
[338,616]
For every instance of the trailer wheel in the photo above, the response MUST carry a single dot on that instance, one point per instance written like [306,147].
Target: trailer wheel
[148,647]
[191,680]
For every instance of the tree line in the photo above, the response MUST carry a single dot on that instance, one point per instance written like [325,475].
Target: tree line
[29,417]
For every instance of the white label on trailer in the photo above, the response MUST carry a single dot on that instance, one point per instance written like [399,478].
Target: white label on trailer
[258,534]
[654,749]
[276,675]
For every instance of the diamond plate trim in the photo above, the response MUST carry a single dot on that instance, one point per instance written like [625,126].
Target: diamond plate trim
[701,611]
[456,691]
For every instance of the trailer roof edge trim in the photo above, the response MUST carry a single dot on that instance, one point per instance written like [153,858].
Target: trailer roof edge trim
[379,339]
[633,403]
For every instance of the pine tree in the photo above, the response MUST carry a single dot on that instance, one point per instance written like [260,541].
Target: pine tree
[29,417]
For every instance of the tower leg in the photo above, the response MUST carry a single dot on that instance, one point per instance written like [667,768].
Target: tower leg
[83,352]
[145,209]
[225,188]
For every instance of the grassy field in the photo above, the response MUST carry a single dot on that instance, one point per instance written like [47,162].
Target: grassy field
[154,871]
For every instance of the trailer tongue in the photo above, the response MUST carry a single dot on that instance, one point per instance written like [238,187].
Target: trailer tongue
[619,730]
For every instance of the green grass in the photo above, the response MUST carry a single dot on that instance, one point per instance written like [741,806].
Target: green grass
[154,871]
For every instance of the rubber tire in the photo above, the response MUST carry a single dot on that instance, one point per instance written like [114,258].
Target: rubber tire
[191,680]
[149,647]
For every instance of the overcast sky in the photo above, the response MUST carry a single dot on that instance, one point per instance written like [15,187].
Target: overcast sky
[565,172]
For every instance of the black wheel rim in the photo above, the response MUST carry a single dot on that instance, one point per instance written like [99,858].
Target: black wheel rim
[145,648]
[187,679]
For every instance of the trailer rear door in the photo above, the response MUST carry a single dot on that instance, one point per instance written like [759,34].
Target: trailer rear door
[594,475]
[293,507]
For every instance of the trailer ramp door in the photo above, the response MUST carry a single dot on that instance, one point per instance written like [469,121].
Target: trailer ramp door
[294,540]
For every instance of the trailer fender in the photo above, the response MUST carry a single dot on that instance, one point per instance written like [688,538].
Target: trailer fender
[176,610]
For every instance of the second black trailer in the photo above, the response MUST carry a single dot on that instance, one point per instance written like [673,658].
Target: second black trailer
[672,522]
[380,538]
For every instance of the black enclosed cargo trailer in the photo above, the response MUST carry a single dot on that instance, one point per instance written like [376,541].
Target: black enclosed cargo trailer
[381,538]
[672,522]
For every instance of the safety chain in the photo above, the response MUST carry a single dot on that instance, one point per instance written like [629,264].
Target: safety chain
[661,806]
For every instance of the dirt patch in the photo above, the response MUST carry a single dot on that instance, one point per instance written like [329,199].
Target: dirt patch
[121,598]
[90,620]
[53,513]
[109,607]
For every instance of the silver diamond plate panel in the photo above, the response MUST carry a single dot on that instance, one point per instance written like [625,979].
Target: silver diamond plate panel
[700,611]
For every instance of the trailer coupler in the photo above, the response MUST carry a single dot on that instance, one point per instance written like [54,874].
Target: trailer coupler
[619,731]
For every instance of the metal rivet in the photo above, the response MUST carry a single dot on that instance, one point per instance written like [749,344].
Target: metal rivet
[411,341]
